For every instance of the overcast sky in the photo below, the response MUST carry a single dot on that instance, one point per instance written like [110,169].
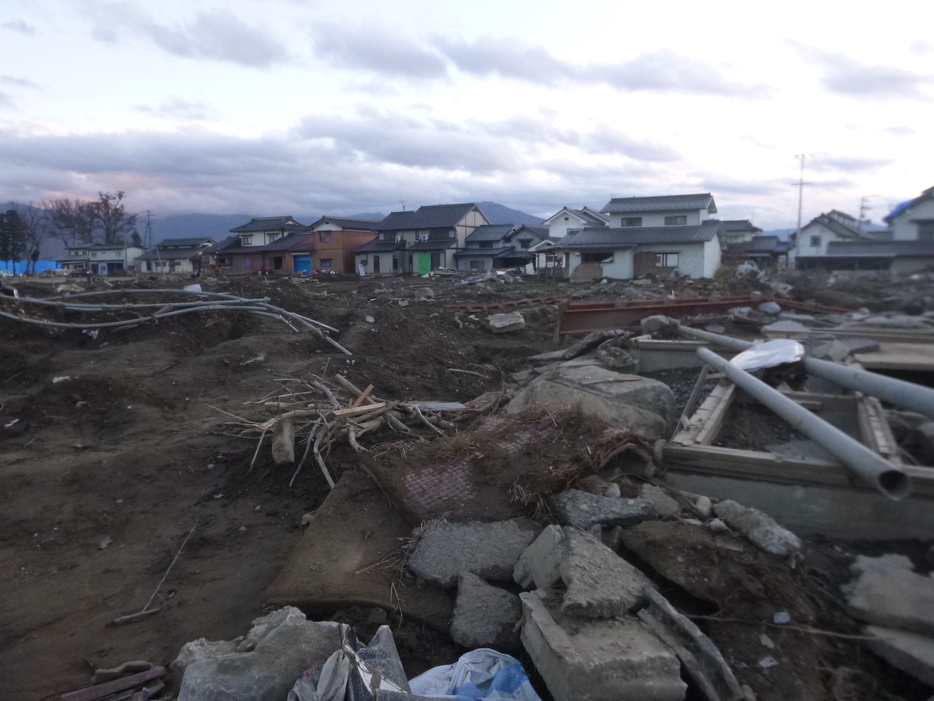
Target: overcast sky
[313,106]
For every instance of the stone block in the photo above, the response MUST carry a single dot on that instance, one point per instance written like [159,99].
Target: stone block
[761,530]
[263,667]
[910,652]
[489,550]
[485,616]
[894,598]
[644,406]
[506,323]
[583,510]
[663,504]
[598,582]
[603,660]
[770,308]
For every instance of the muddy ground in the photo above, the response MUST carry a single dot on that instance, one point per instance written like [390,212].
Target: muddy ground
[106,472]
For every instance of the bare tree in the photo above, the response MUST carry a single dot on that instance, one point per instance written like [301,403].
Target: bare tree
[111,218]
[12,240]
[37,228]
[73,221]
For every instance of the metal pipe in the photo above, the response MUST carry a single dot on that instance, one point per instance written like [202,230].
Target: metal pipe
[869,466]
[907,395]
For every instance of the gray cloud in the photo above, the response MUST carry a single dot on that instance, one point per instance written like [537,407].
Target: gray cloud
[217,35]
[844,76]
[21,26]
[383,52]
[720,184]
[6,100]
[18,82]
[607,141]
[847,163]
[394,55]
[179,108]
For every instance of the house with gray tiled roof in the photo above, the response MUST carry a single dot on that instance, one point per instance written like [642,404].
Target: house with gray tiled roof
[568,219]
[737,231]
[810,244]
[180,255]
[913,220]
[499,246]
[647,236]
[419,241]
[335,241]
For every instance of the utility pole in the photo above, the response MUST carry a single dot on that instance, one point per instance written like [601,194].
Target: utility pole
[864,207]
[800,185]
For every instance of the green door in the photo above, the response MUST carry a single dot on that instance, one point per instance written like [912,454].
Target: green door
[424,263]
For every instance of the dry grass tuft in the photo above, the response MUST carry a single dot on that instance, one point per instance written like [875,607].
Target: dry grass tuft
[449,448]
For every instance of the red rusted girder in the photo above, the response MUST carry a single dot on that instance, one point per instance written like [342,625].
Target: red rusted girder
[506,303]
[584,317]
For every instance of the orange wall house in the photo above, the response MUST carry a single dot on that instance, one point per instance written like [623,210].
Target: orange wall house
[336,239]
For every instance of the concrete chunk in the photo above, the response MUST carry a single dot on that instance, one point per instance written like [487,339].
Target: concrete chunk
[599,583]
[506,323]
[761,530]
[278,648]
[485,616]
[910,652]
[583,510]
[664,505]
[603,660]
[894,598]
[489,550]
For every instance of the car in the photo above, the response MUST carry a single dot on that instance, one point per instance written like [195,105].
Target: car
[80,272]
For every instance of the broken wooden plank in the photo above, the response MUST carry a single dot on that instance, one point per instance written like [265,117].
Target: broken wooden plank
[364,409]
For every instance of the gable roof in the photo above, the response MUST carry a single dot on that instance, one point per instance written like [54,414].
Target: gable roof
[437,216]
[630,236]
[268,224]
[734,225]
[901,207]
[489,232]
[838,227]
[283,243]
[586,215]
[539,231]
[348,223]
[624,205]
[192,241]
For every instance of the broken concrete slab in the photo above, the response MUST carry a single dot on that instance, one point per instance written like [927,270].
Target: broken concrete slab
[658,322]
[898,562]
[893,598]
[506,323]
[910,652]
[584,510]
[598,660]
[616,358]
[785,327]
[589,342]
[599,583]
[700,657]
[761,530]
[664,505]
[485,616]
[831,350]
[644,406]
[264,666]
[489,550]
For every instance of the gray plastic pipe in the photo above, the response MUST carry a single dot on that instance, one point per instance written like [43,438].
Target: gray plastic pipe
[907,395]
[870,467]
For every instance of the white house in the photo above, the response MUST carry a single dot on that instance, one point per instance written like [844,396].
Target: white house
[419,241]
[176,255]
[647,235]
[738,231]
[265,230]
[913,220]
[101,259]
[568,219]
[811,243]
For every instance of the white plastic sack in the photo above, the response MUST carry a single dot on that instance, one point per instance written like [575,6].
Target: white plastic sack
[331,685]
[479,675]
[769,354]
[192,288]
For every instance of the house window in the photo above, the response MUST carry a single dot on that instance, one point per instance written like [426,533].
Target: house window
[666,260]
[272,237]
[598,257]
[246,240]
[324,236]
[363,261]
[678,220]
[633,221]
[525,243]
[486,244]
[926,230]
[478,265]
[388,237]
[395,263]
[326,262]
[815,242]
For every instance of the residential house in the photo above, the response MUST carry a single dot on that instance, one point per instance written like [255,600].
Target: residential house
[568,219]
[267,245]
[182,256]
[496,246]
[101,259]
[907,248]
[647,235]
[336,239]
[764,251]
[419,241]
[812,241]
[737,231]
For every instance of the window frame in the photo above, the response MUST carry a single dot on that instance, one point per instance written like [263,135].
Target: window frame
[666,259]
[324,237]
[676,220]
[627,222]
[815,241]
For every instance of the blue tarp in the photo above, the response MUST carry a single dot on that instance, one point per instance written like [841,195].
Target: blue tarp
[21,266]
